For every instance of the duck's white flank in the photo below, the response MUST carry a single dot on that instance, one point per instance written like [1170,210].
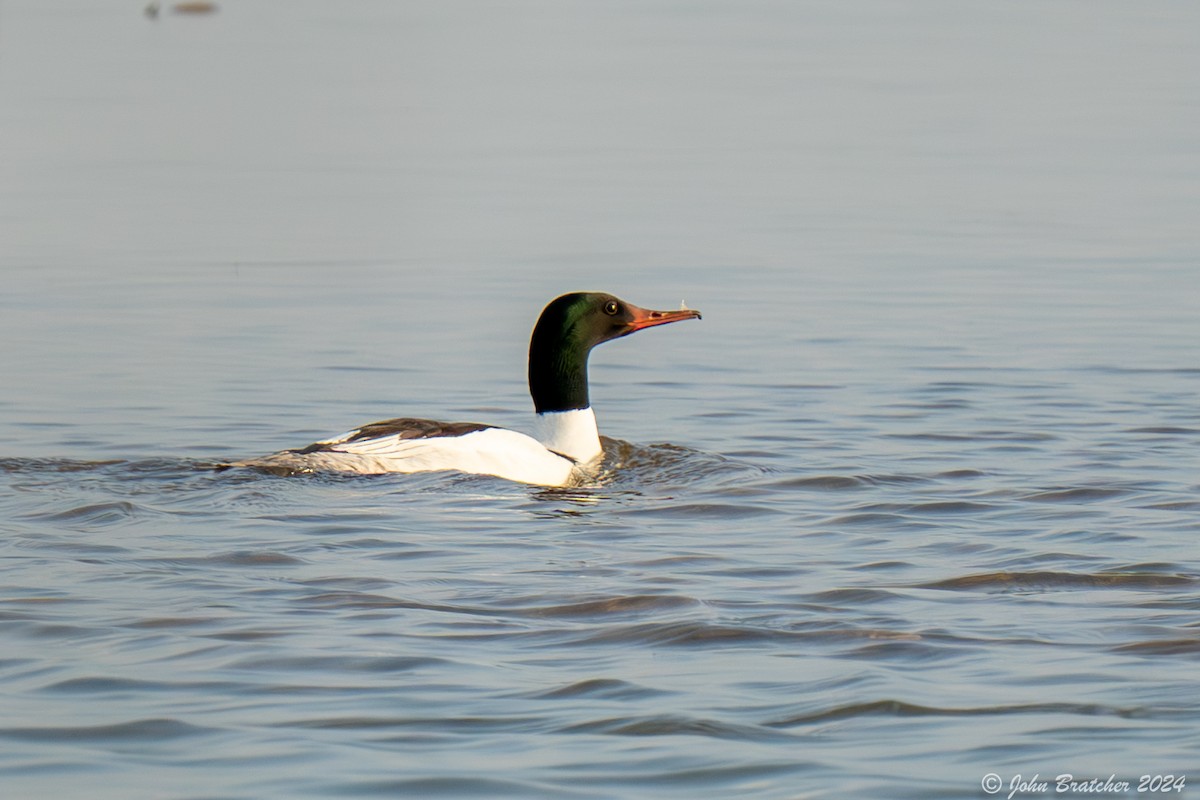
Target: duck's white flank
[569,444]
[491,451]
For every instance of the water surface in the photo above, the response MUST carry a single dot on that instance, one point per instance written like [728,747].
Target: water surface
[916,502]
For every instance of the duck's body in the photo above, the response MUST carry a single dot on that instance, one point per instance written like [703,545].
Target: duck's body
[570,446]
[565,446]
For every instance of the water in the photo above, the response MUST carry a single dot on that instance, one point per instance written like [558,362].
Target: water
[915,503]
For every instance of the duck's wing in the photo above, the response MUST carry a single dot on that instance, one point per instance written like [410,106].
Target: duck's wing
[369,437]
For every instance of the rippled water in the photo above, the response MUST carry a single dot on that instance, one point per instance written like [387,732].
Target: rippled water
[917,501]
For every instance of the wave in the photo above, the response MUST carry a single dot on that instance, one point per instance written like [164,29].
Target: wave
[1008,581]
[899,708]
[143,730]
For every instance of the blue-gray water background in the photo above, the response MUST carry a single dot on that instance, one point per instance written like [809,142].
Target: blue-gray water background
[917,501]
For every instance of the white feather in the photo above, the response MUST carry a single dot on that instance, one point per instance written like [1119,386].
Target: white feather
[491,451]
[572,433]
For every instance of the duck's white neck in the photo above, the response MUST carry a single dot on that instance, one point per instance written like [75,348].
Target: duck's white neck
[572,433]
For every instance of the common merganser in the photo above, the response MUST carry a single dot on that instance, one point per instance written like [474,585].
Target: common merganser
[567,444]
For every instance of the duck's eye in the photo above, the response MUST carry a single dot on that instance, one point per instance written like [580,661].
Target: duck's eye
[611,308]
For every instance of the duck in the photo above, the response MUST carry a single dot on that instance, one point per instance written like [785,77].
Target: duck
[564,448]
